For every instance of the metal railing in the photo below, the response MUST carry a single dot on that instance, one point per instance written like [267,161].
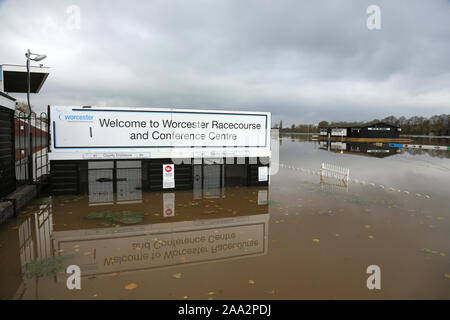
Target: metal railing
[31,134]
[335,172]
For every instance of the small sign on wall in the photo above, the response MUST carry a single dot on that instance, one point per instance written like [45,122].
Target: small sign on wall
[262,197]
[263,174]
[168,176]
[339,132]
[169,204]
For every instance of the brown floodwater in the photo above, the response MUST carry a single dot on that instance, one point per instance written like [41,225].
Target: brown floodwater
[302,237]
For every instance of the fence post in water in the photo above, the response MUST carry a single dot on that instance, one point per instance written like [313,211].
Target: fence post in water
[334,171]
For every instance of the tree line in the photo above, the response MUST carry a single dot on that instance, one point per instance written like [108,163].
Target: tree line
[301,128]
[437,125]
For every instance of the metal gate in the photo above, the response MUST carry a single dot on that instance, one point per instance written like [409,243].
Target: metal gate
[31,133]
[24,142]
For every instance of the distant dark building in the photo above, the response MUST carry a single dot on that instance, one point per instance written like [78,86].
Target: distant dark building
[365,130]
[371,149]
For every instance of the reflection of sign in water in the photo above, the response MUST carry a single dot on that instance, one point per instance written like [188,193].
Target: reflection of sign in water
[338,145]
[378,151]
[155,248]
[168,176]
[429,147]
[169,204]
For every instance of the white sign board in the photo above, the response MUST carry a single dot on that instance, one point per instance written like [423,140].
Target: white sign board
[263,174]
[117,132]
[262,197]
[168,176]
[339,132]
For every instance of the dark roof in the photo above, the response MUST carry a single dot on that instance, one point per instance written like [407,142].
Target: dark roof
[356,124]
[14,78]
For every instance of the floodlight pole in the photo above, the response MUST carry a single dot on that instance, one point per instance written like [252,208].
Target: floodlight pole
[30,149]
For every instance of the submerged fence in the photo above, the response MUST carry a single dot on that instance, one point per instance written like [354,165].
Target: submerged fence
[335,172]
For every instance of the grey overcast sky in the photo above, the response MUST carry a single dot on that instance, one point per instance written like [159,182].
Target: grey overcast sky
[304,61]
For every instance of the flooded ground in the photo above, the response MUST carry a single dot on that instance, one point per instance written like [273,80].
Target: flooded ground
[302,237]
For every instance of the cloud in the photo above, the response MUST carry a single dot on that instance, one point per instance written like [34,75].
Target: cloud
[303,60]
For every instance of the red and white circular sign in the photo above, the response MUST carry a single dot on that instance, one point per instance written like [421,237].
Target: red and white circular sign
[168,212]
[168,168]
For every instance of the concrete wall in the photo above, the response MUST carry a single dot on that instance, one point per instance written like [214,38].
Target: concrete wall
[16,201]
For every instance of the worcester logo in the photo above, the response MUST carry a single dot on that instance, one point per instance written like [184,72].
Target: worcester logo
[76,117]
